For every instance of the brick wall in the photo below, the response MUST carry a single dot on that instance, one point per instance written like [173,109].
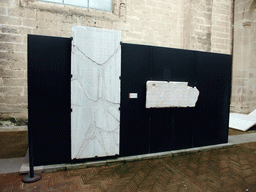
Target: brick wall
[198,25]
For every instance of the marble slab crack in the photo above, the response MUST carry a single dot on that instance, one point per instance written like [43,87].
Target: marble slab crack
[103,130]
[113,116]
[86,93]
[100,64]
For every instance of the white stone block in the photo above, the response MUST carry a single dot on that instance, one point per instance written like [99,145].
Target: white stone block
[241,122]
[253,113]
[95,92]
[163,94]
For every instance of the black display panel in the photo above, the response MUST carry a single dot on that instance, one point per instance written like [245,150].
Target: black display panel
[49,94]
[134,120]
[141,130]
[164,129]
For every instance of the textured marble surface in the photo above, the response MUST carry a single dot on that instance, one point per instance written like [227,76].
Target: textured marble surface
[161,94]
[95,92]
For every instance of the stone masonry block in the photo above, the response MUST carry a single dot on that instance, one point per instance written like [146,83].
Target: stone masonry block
[3,11]
[12,74]
[18,65]
[42,15]
[65,34]
[21,108]
[9,29]
[159,25]
[29,22]
[9,47]
[158,11]
[136,14]
[109,25]
[13,99]
[42,24]
[25,30]
[218,28]
[150,3]
[47,16]
[10,38]
[222,23]
[24,38]
[27,13]
[66,27]
[13,11]
[164,5]
[11,91]
[3,19]
[4,2]
[14,21]
[17,56]
[134,35]
[69,19]
[14,82]
[141,8]
[20,48]
[25,91]
[39,31]
[55,33]
[221,35]
[136,2]
[55,26]
[4,65]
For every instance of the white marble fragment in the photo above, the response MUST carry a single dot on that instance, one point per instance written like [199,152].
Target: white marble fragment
[163,94]
[242,122]
[253,113]
[95,92]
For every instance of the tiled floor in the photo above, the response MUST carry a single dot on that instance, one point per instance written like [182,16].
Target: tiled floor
[211,170]
[14,164]
[231,169]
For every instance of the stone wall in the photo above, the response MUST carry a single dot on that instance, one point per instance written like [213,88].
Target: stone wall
[207,25]
[244,68]
[191,24]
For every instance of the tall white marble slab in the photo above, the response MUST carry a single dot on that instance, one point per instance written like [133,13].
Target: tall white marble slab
[162,94]
[95,92]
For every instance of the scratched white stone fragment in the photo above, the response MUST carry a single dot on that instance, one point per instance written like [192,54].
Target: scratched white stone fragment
[163,94]
[242,122]
[95,92]
[253,113]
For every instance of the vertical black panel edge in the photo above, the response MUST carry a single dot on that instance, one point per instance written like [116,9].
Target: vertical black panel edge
[228,98]
[33,128]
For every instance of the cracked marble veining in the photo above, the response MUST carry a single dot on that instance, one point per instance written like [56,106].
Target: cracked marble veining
[95,92]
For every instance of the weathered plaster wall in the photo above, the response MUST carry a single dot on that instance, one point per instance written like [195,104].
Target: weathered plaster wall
[192,24]
[244,79]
